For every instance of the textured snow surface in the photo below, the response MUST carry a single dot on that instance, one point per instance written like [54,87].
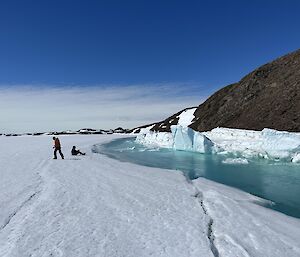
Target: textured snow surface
[268,143]
[95,206]
[242,228]
[144,130]
[158,139]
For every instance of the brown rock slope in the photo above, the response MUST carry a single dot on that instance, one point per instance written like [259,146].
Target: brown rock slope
[269,97]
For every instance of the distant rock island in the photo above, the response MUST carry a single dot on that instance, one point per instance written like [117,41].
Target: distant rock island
[83,131]
[268,97]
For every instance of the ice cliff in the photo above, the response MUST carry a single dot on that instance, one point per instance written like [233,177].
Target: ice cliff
[268,143]
[181,137]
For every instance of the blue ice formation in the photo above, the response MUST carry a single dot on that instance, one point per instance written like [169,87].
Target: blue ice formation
[187,139]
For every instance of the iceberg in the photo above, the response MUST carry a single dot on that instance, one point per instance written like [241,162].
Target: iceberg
[187,139]
[181,138]
[268,143]
[280,144]
[155,139]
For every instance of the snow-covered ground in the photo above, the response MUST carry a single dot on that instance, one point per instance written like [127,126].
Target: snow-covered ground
[96,206]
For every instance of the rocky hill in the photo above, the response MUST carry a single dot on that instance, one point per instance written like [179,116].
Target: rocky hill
[268,97]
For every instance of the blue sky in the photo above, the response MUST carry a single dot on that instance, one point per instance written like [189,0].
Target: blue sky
[196,45]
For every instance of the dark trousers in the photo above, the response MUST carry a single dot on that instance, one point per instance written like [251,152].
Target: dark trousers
[76,152]
[59,150]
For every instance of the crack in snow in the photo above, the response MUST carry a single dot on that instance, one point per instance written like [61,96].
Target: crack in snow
[10,217]
[28,199]
[209,232]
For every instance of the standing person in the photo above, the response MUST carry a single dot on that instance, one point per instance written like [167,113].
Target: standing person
[57,147]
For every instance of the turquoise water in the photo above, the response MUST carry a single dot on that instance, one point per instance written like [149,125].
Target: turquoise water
[275,181]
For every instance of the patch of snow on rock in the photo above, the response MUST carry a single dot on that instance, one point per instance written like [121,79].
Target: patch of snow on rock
[186,117]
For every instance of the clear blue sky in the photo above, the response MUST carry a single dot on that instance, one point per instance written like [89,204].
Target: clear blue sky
[137,41]
[77,48]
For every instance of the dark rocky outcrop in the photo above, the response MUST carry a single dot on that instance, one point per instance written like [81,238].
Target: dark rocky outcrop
[120,130]
[268,97]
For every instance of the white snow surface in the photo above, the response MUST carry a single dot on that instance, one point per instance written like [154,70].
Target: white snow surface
[96,206]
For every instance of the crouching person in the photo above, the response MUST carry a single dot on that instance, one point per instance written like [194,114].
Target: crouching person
[76,152]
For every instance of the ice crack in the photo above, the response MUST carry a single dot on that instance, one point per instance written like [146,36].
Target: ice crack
[10,217]
[209,232]
[28,199]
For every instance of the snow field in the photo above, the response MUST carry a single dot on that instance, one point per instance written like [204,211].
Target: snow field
[93,205]
[96,206]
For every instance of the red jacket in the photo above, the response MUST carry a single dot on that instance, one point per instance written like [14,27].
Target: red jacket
[56,143]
